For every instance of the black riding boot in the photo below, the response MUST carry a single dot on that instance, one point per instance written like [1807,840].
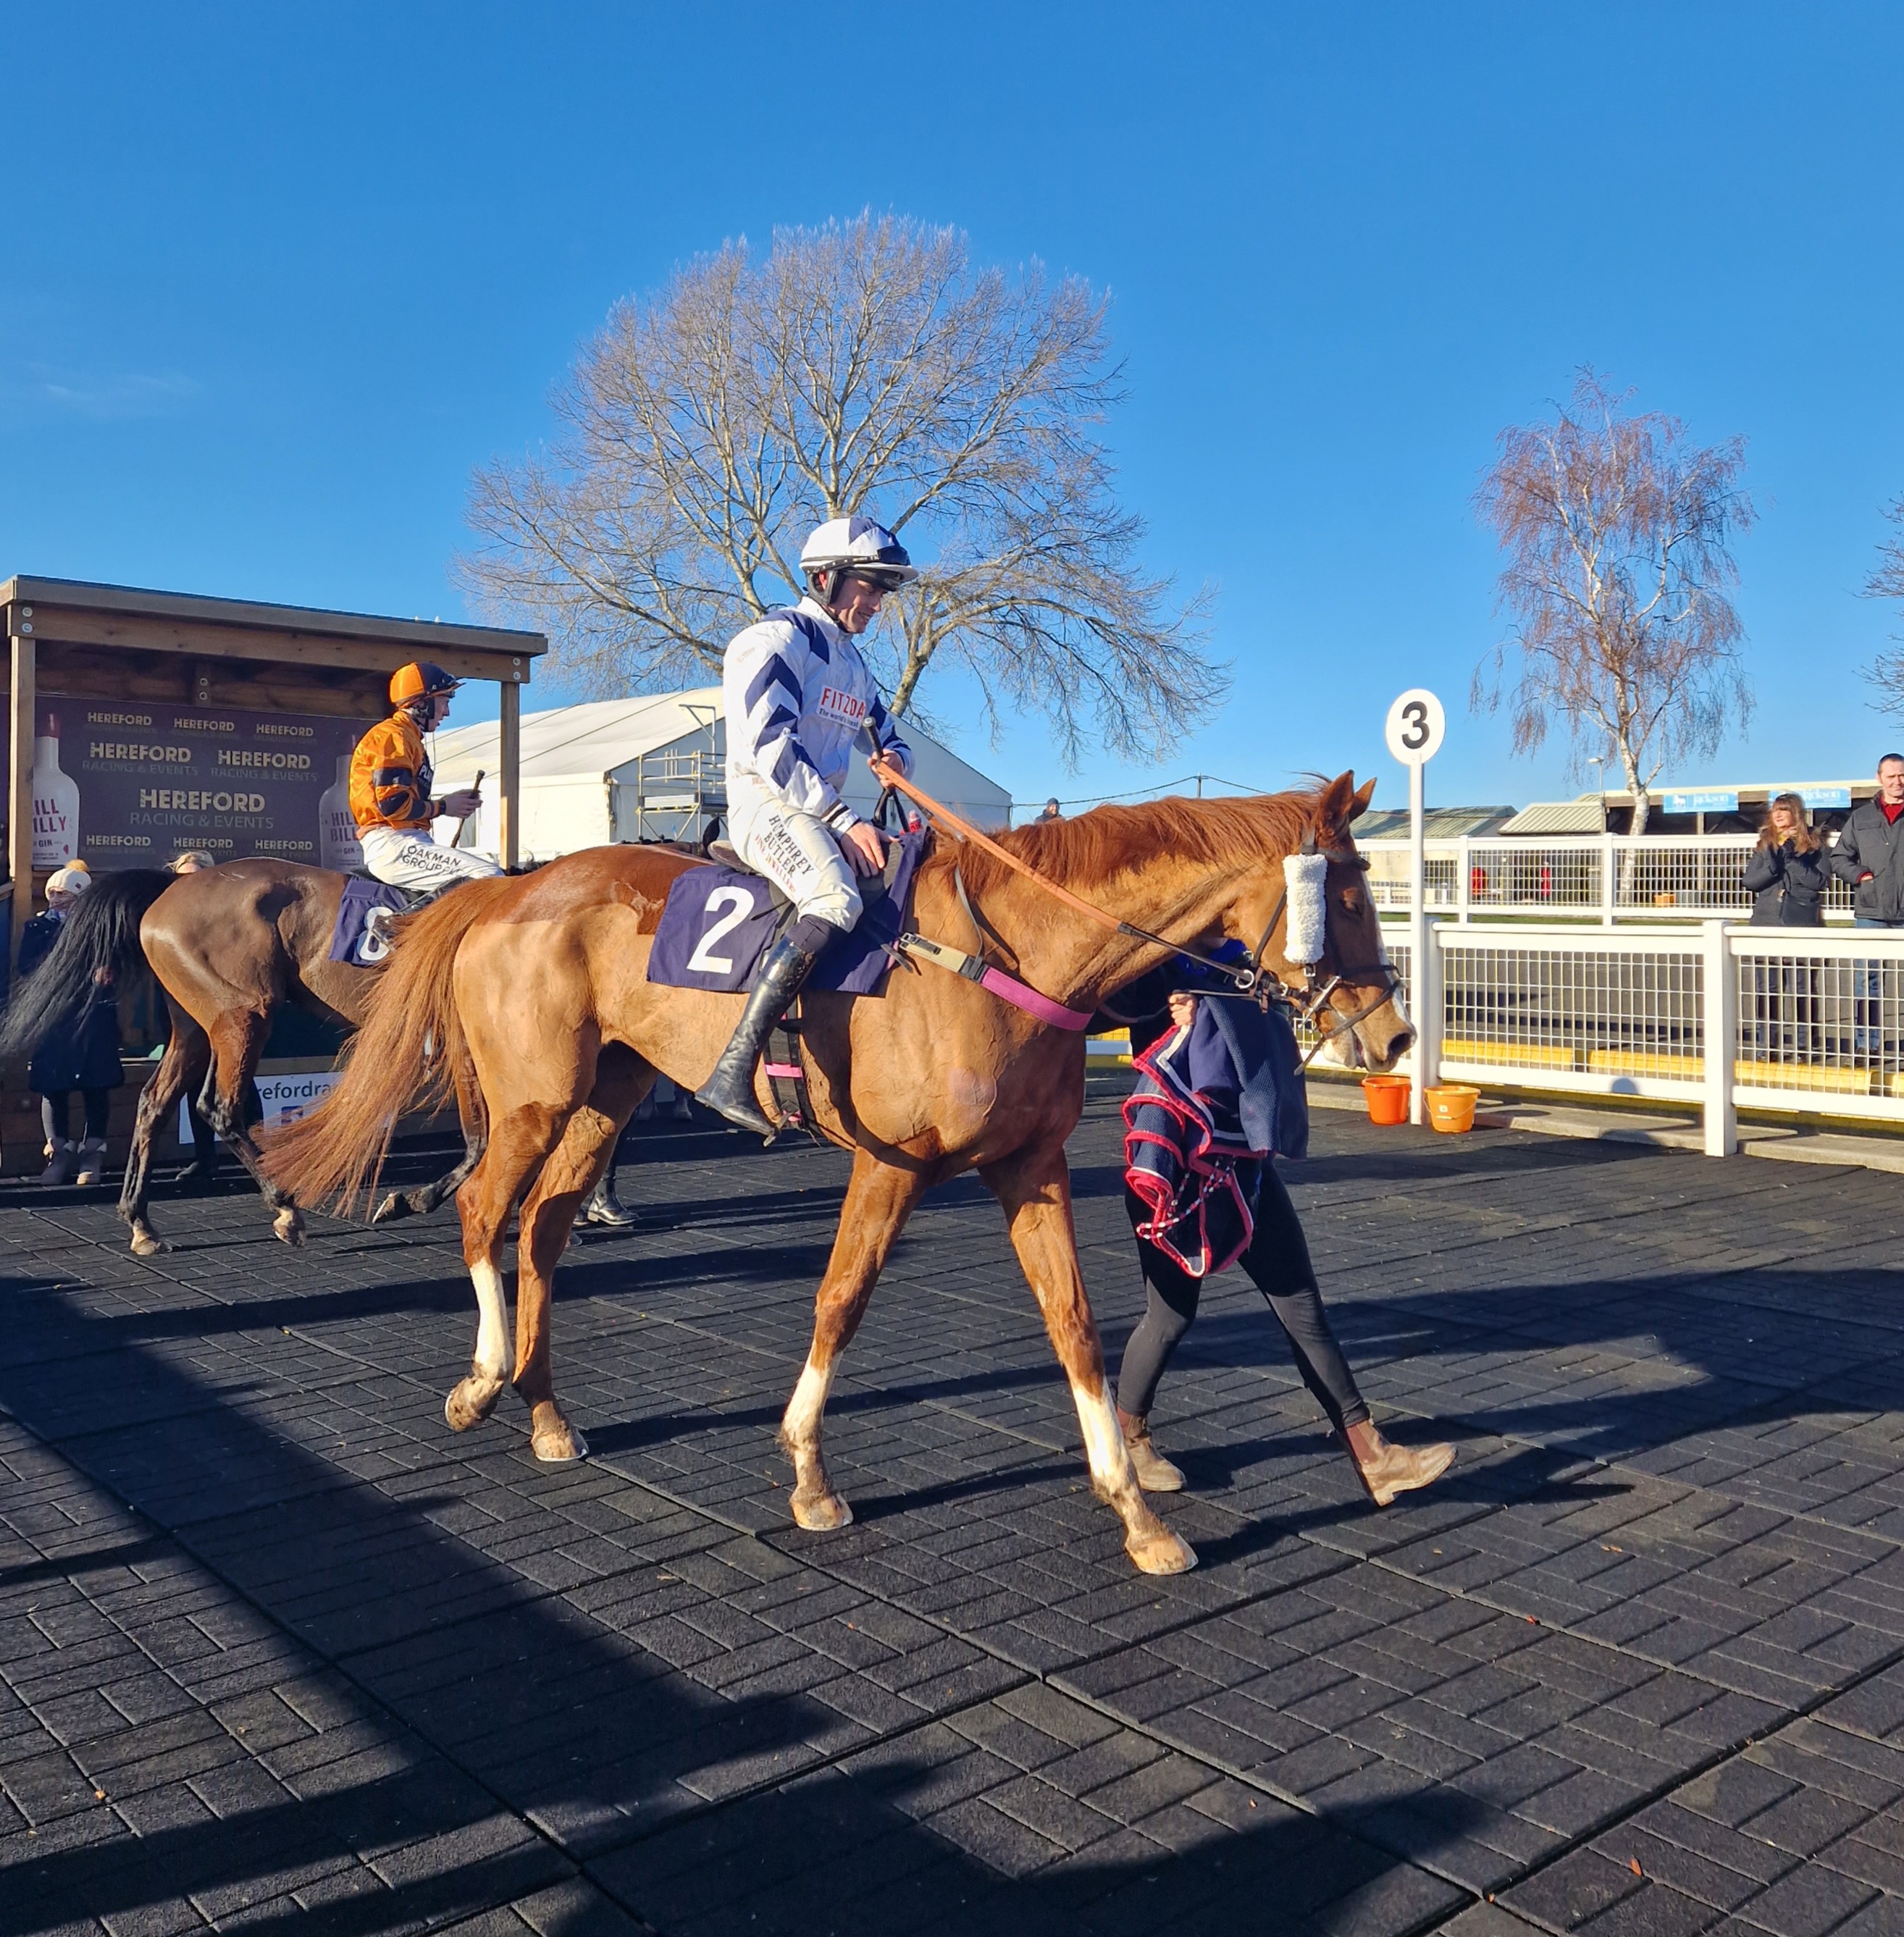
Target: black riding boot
[730,1089]
[604,1206]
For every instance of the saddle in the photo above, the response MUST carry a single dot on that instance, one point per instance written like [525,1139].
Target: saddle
[721,918]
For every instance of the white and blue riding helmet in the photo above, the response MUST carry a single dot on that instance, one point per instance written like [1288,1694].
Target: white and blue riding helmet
[859,545]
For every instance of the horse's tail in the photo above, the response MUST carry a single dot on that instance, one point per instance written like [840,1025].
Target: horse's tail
[100,932]
[405,1054]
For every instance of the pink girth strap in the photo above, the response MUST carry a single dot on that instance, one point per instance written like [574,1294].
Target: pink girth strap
[1021,996]
[993,981]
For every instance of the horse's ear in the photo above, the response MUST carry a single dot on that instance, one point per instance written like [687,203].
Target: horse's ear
[1365,793]
[1334,806]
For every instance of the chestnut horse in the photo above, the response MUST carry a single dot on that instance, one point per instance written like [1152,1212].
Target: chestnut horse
[546,987]
[230,946]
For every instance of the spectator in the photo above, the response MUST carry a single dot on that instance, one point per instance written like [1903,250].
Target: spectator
[1052,811]
[1786,872]
[190,861]
[1787,875]
[1870,855]
[1870,851]
[80,1051]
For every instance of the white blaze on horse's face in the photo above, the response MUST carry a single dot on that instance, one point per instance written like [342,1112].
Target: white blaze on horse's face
[1379,1039]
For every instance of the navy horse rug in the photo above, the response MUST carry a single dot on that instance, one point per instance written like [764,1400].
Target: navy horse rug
[720,921]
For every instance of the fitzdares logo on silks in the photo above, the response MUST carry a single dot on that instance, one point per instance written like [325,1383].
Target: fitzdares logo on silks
[844,706]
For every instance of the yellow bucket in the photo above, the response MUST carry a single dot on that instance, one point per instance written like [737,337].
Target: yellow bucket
[1451,1107]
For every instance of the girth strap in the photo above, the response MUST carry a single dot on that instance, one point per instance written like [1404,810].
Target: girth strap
[786,1075]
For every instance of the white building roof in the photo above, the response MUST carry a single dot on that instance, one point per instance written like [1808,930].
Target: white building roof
[592,739]
[598,740]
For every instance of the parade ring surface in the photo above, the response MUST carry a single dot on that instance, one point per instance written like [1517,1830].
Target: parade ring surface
[279,1643]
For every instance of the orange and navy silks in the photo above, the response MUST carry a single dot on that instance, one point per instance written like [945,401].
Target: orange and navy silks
[390,777]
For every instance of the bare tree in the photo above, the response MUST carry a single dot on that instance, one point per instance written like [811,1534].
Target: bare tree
[864,367]
[1618,533]
[1885,672]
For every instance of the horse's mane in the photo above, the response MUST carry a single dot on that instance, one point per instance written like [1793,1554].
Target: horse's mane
[1095,848]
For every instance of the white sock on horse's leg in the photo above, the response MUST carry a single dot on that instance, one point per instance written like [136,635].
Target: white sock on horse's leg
[1104,1438]
[492,1360]
[801,1427]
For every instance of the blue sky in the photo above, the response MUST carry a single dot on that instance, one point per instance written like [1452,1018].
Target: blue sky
[279,277]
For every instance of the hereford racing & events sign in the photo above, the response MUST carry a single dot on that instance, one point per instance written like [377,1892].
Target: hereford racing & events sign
[154,779]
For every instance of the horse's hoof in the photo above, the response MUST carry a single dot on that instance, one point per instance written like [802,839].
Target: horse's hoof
[289,1227]
[821,1513]
[148,1244]
[1163,1552]
[557,1445]
[395,1206]
[471,1402]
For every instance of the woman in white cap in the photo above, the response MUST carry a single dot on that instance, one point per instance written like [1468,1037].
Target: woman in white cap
[80,1052]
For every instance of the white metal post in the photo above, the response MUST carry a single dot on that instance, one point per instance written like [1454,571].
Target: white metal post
[1464,874]
[1418,939]
[1720,1033]
[1426,1010]
[1609,879]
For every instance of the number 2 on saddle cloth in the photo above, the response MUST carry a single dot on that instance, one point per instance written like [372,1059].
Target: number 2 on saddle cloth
[720,920]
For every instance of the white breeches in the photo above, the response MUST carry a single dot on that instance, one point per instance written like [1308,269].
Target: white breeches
[414,861]
[798,853]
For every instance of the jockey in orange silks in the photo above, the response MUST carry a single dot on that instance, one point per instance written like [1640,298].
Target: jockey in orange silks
[389,790]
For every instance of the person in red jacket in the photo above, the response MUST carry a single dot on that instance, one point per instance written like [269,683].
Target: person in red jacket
[390,798]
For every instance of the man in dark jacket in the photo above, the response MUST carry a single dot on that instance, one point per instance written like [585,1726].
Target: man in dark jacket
[1870,851]
[1870,856]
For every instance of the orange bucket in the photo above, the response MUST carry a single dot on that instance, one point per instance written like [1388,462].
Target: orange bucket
[1388,1099]
[1451,1107]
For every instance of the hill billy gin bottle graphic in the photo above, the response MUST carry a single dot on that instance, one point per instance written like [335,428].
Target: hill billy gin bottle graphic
[55,800]
[337,845]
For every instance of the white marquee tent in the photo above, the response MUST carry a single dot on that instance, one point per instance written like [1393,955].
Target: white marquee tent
[652,768]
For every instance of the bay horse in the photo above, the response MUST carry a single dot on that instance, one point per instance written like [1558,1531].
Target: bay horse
[230,946]
[545,990]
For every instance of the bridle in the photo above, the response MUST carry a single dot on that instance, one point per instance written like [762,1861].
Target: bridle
[1311,1000]
[1246,978]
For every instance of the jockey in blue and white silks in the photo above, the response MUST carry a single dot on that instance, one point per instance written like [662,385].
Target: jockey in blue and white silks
[797,697]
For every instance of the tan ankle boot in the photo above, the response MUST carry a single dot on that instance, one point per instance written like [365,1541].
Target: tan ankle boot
[1155,1474]
[1400,1469]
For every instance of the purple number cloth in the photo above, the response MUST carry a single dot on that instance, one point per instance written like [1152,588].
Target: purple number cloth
[720,921]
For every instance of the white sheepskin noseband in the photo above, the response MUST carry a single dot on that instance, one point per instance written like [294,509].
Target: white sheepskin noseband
[1303,934]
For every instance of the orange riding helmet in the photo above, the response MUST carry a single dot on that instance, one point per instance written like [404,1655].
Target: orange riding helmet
[420,680]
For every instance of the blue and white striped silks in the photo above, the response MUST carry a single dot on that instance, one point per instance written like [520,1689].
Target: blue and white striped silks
[797,695]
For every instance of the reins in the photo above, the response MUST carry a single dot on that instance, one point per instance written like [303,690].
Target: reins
[1247,979]
[1244,978]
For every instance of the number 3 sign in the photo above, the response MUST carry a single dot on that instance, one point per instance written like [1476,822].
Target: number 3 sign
[1416,726]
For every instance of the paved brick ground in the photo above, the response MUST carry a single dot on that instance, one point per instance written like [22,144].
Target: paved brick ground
[278,1650]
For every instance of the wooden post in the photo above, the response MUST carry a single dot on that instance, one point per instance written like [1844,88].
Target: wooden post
[509,781]
[20,816]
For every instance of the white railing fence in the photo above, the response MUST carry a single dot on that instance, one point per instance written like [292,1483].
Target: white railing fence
[1607,878]
[1806,1019]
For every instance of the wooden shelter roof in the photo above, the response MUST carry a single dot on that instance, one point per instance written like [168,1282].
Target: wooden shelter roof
[72,621]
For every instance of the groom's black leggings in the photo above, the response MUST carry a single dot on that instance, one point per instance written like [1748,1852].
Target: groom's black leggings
[1278,1260]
